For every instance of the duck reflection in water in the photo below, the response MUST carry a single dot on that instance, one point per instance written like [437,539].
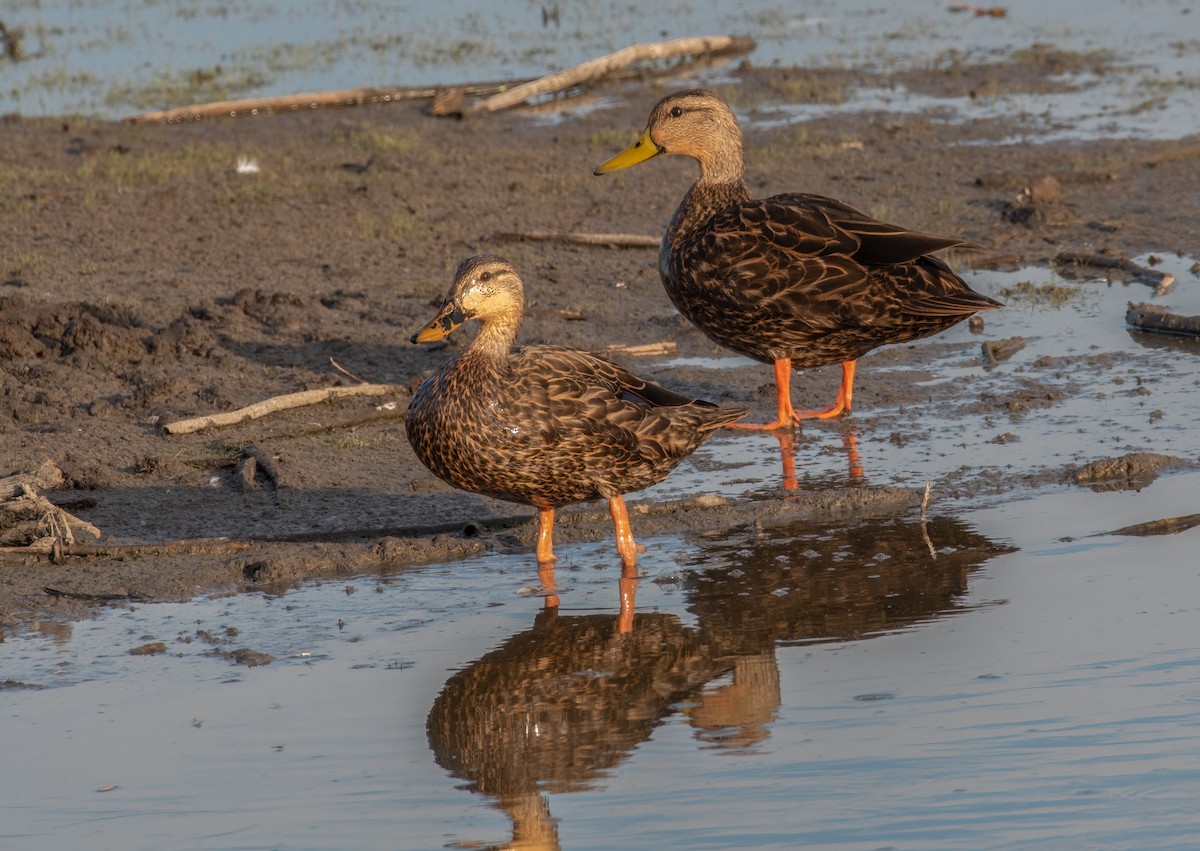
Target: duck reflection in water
[560,706]
[787,458]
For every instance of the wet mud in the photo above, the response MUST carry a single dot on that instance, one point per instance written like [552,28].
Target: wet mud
[145,279]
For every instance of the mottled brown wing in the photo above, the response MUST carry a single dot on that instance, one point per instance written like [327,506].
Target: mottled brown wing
[879,243]
[778,262]
[814,279]
[593,401]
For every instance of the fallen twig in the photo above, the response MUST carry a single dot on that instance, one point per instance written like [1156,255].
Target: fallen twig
[347,372]
[605,65]
[497,95]
[663,347]
[92,598]
[924,528]
[1164,526]
[621,240]
[33,523]
[190,546]
[1161,280]
[979,11]
[1153,317]
[276,403]
[308,100]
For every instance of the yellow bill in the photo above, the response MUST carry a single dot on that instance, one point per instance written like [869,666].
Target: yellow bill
[640,151]
[447,319]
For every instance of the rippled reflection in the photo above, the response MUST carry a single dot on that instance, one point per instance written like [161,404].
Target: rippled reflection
[563,703]
[559,705]
[804,583]
[787,457]
[1166,343]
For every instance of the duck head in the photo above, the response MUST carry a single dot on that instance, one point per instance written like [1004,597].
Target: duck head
[486,287]
[693,123]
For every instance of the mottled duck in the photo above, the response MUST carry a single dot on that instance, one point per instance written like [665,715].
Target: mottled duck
[544,425]
[795,280]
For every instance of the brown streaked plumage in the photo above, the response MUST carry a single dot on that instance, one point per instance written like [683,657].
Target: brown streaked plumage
[795,280]
[544,425]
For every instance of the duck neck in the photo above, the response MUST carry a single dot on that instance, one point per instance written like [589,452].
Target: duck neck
[723,164]
[494,341]
[706,198]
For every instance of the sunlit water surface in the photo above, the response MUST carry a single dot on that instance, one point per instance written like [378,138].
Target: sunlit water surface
[1008,683]
[1009,675]
[1018,672]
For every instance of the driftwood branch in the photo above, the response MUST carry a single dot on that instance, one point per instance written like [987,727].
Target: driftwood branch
[621,240]
[1153,317]
[1162,281]
[309,100]
[1163,526]
[31,523]
[276,403]
[605,65]
[664,347]
[47,476]
[497,95]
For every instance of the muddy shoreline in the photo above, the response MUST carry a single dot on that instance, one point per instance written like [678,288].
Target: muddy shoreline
[145,279]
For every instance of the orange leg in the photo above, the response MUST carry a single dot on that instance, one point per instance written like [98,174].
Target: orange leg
[629,550]
[789,417]
[626,546]
[545,555]
[786,416]
[841,405]
[545,544]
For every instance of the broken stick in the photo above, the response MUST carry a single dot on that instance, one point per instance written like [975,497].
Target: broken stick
[306,100]
[1153,317]
[621,240]
[1161,280]
[664,347]
[605,65]
[36,524]
[276,403]
[503,94]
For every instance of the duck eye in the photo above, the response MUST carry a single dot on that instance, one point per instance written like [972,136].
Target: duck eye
[676,111]
[485,276]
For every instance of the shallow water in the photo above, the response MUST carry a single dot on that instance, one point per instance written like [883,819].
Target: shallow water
[1026,685]
[1008,675]
[1019,671]
[111,58]
[1143,391]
